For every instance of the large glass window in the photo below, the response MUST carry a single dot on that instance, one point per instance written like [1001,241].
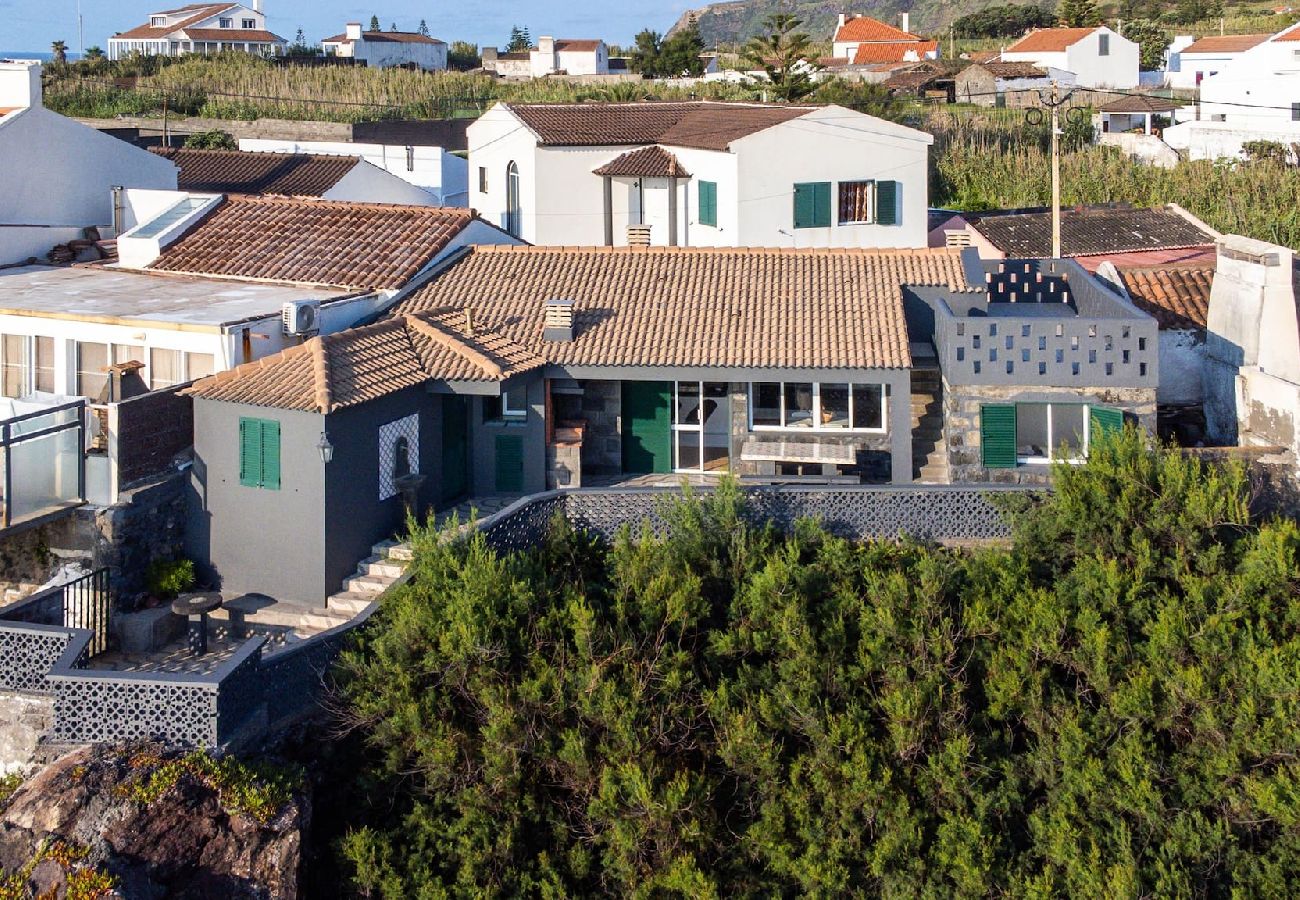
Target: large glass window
[857,202]
[701,426]
[832,406]
[92,369]
[514,224]
[1047,431]
[43,369]
[199,365]
[15,367]
[164,368]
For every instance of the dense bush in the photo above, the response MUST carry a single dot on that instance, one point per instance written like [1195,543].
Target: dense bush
[1010,20]
[1110,708]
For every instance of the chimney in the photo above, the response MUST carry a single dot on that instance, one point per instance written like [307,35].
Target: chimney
[559,320]
[489,55]
[353,31]
[257,6]
[907,22]
[839,24]
[638,235]
[546,46]
[20,84]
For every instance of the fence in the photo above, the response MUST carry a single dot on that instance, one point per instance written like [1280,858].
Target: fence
[42,649]
[43,466]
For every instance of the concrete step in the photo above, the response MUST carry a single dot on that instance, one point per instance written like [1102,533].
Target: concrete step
[280,615]
[381,566]
[374,584]
[316,623]
[349,602]
[393,550]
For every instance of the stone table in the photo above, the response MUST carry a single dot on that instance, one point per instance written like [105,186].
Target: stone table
[195,608]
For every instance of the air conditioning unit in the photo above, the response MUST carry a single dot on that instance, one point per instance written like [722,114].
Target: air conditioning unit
[300,317]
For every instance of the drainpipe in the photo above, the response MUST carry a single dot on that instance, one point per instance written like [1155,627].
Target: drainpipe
[118,217]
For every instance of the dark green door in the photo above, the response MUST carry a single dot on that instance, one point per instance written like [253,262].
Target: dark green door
[510,464]
[647,426]
[455,449]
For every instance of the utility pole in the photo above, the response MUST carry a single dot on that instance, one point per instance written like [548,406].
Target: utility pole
[952,41]
[1056,173]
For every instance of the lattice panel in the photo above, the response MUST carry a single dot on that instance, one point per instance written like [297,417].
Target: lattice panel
[526,526]
[406,427]
[26,657]
[112,710]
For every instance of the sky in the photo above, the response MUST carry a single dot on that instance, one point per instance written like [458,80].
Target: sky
[33,24]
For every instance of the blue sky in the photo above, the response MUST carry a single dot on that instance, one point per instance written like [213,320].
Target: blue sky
[33,24]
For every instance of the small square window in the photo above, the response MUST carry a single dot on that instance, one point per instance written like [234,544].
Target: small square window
[1124,332]
[1011,342]
[993,330]
[1142,370]
[1110,368]
[1074,342]
[1060,357]
[1074,369]
[961,354]
[993,354]
[975,342]
[1011,367]
[1024,330]
[1042,368]
[1142,344]
[482,180]
[1125,357]
[1092,357]
[977,367]
[1024,356]
[1042,343]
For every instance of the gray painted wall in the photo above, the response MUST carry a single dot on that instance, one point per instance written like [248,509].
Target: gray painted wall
[483,437]
[251,539]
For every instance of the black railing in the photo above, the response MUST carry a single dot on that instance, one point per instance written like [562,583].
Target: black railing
[88,604]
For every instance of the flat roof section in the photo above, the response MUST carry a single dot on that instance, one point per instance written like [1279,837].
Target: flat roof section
[106,294]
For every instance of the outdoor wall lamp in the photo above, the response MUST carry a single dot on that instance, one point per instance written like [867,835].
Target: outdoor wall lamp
[326,448]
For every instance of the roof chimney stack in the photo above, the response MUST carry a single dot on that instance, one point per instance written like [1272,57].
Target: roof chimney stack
[352,31]
[559,320]
[907,22]
[20,84]
[839,24]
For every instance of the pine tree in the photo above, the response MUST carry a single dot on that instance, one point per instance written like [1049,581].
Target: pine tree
[424,28]
[374,23]
[781,51]
[1080,14]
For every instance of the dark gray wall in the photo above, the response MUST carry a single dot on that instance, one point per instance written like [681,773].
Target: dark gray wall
[483,443]
[251,539]
[356,518]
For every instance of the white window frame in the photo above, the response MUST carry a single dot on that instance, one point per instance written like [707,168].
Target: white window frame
[248,24]
[871,206]
[225,22]
[816,427]
[26,363]
[1051,437]
[676,429]
[156,22]
[510,412]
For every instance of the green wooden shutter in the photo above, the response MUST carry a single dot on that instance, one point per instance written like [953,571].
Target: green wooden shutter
[250,452]
[998,436]
[822,204]
[709,203]
[887,202]
[271,454]
[1104,422]
[812,204]
[510,464]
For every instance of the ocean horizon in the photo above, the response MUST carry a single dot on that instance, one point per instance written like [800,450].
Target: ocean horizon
[42,55]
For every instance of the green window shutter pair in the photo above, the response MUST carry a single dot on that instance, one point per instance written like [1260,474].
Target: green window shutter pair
[812,204]
[998,436]
[1104,422]
[259,453]
[887,193]
[709,203]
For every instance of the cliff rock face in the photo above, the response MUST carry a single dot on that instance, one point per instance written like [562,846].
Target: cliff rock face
[738,21]
[152,823]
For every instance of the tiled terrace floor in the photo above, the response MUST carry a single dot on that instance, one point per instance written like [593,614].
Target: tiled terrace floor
[175,657]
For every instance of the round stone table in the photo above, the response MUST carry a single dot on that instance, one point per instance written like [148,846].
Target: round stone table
[195,608]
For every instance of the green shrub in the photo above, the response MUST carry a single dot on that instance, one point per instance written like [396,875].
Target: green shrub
[216,139]
[169,577]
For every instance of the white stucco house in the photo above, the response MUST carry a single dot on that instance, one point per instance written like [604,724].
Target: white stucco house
[865,41]
[1099,57]
[386,49]
[699,174]
[443,175]
[551,56]
[58,175]
[200,28]
[1192,61]
[1255,97]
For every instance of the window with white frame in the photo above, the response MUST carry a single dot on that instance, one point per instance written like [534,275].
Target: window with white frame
[1048,431]
[94,360]
[157,22]
[249,24]
[168,368]
[816,406]
[225,23]
[511,406]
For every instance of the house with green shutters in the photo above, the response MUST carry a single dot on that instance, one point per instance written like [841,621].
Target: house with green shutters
[513,369]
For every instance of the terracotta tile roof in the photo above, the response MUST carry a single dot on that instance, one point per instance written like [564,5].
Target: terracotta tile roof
[1012,69]
[1291,34]
[648,162]
[678,306]
[1088,231]
[1225,43]
[892,52]
[244,172]
[984,56]
[1049,40]
[1175,297]
[567,45]
[232,34]
[332,372]
[1135,103]
[385,37]
[699,124]
[200,12]
[361,246]
[865,28]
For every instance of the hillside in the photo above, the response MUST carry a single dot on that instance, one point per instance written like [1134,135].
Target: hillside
[738,21]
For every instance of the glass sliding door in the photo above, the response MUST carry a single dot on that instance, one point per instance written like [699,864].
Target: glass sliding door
[701,431]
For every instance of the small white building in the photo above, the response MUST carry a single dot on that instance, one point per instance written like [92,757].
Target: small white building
[443,175]
[1099,57]
[1192,63]
[387,49]
[863,40]
[699,174]
[551,56]
[200,28]
[58,175]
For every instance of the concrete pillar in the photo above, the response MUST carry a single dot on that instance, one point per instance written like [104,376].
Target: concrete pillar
[609,210]
[672,212]
[900,428]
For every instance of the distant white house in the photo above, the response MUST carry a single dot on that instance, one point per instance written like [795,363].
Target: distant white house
[58,175]
[443,175]
[1195,60]
[866,41]
[699,174]
[551,56]
[1255,97]
[386,49]
[200,28]
[1099,57]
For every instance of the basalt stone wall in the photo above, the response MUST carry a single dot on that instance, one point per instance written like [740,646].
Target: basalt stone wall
[153,429]
[602,445]
[146,524]
[962,424]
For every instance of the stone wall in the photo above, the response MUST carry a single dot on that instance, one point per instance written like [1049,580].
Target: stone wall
[146,524]
[24,718]
[602,445]
[962,424]
[152,430]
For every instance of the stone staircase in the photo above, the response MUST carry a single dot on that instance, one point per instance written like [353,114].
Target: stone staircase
[929,450]
[375,574]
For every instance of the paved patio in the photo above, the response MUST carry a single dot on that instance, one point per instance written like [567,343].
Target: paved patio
[175,656]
